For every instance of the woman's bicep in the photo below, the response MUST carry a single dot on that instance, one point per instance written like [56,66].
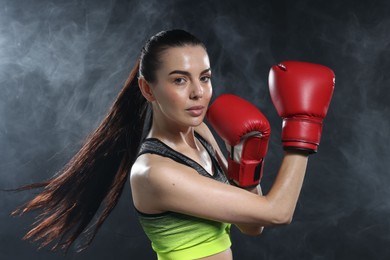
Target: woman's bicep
[189,193]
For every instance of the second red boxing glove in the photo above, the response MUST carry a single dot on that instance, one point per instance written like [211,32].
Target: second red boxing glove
[246,132]
[301,93]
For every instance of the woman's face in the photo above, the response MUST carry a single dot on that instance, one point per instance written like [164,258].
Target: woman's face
[182,90]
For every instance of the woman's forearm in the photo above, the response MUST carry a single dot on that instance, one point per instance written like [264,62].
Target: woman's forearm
[284,193]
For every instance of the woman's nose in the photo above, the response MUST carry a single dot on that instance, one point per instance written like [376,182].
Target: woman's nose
[196,91]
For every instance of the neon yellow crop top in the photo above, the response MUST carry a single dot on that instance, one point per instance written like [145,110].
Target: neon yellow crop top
[178,236]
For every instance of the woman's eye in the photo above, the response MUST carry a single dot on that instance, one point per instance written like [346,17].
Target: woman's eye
[179,81]
[205,78]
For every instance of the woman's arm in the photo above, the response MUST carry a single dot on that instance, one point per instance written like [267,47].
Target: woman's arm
[181,189]
[292,162]
[288,182]
[248,229]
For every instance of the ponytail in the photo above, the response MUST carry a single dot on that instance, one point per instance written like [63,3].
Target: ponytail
[91,183]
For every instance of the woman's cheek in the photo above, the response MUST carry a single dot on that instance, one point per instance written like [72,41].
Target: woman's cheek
[209,92]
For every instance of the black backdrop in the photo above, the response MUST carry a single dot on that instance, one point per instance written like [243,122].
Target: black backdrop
[63,62]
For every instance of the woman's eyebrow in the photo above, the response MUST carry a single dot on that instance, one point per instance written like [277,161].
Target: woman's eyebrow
[186,72]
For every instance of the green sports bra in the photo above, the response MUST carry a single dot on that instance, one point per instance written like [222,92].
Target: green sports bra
[178,236]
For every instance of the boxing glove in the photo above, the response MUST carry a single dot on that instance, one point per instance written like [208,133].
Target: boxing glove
[245,131]
[301,93]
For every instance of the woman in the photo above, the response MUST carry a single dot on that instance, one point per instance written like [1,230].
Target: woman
[156,118]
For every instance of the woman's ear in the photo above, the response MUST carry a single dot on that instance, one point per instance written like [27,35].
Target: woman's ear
[146,89]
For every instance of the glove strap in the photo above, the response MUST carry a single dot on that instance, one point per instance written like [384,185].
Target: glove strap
[246,160]
[247,173]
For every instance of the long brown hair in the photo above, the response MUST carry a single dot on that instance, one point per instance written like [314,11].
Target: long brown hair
[90,184]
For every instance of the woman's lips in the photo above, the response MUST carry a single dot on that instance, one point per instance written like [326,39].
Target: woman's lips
[195,110]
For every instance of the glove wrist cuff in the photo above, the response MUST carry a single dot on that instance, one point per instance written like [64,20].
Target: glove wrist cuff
[301,133]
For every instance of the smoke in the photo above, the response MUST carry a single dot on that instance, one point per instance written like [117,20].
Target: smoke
[62,63]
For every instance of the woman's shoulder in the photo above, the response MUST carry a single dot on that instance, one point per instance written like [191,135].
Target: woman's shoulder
[152,168]
[154,176]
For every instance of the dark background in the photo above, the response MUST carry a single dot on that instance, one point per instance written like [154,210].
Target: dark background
[62,64]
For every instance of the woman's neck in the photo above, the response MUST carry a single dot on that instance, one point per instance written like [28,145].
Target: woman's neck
[174,137]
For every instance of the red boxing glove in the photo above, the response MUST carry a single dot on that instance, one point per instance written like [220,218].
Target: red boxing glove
[301,93]
[245,131]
